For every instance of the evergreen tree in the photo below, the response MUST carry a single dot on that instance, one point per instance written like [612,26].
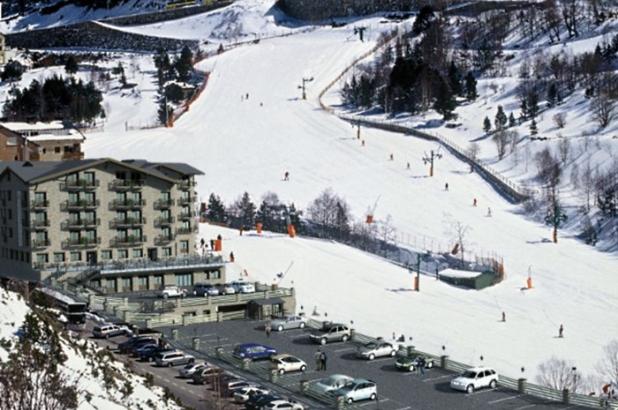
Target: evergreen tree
[486,125]
[533,129]
[294,217]
[12,71]
[512,122]
[216,209]
[555,215]
[445,102]
[70,66]
[454,78]
[184,64]
[501,119]
[471,93]
[552,95]
[165,112]
[607,201]
[246,211]
[533,103]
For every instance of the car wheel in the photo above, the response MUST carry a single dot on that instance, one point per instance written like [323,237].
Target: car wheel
[303,368]
[302,326]
[279,328]
[410,368]
[429,365]
[344,338]
[165,296]
[492,384]
[470,389]
[372,356]
[393,353]
[281,372]
[373,396]
[107,336]
[350,401]
[323,341]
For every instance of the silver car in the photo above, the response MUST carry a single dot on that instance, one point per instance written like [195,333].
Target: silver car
[333,382]
[357,390]
[372,350]
[288,322]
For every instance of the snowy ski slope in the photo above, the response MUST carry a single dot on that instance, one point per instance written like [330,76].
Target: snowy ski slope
[241,145]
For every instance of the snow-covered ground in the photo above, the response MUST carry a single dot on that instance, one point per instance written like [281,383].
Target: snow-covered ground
[247,145]
[92,391]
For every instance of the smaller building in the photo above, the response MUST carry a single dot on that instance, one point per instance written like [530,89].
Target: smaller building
[15,147]
[50,141]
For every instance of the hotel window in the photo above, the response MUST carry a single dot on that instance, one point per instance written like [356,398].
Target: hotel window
[41,258]
[184,246]
[106,255]
[59,257]
[142,282]
[123,253]
[184,279]
[126,284]
[138,253]
[157,281]
[167,252]
[76,256]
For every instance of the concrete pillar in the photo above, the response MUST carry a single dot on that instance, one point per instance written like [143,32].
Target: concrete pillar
[178,302]
[125,315]
[340,403]
[521,386]
[218,352]
[125,301]
[304,385]
[274,376]
[174,334]
[91,300]
[148,323]
[196,344]
[246,364]
[566,396]
[443,361]
[184,320]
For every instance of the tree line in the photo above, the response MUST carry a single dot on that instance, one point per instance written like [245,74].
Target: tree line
[171,70]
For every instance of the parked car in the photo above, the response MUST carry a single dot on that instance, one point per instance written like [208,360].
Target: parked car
[173,358]
[238,384]
[334,332]
[411,363]
[172,292]
[357,390]
[288,322]
[109,330]
[330,383]
[189,369]
[205,289]
[206,374]
[284,404]
[244,394]
[258,401]
[243,287]
[254,351]
[475,378]
[148,354]
[285,363]
[137,350]
[127,346]
[227,289]
[372,350]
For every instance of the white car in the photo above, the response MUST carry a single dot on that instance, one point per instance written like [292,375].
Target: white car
[372,350]
[333,382]
[173,292]
[243,287]
[187,371]
[284,404]
[357,390]
[475,378]
[244,394]
[285,363]
[173,358]
[227,289]
[288,322]
[108,330]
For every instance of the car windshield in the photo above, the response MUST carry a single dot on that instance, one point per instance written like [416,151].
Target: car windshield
[371,345]
[469,374]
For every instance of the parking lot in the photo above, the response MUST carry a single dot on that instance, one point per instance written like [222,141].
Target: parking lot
[397,390]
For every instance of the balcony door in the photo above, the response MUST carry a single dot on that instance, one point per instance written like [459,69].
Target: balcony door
[152,254]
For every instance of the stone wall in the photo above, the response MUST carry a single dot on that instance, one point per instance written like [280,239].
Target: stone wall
[93,35]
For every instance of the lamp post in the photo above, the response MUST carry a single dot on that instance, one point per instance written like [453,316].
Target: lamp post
[303,87]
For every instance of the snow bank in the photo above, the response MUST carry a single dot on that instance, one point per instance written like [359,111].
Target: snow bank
[461,274]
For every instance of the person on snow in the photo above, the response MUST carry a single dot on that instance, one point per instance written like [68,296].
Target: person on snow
[318,360]
[503,317]
[474,202]
[489,212]
[286,176]
[392,157]
[446,186]
[561,331]
[408,166]
[232,258]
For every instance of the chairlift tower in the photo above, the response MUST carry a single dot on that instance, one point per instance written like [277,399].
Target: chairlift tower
[304,86]
[429,159]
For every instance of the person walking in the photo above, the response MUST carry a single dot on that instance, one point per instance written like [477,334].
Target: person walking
[323,359]
[408,166]
[421,365]
[286,176]
[232,258]
[268,329]
[503,317]
[318,360]
[474,202]
[446,186]
[561,331]
[489,212]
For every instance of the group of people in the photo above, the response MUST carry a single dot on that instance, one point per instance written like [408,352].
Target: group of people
[320,360]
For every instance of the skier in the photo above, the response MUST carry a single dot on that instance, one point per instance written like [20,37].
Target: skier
[202,243]
[240,231]
[261,104]
[408,166]
[446,186]
[392,157]
[474,202]
[503,317]
[232,258]
[561,331]
[247,96]
[489,212]
[363,143]
[286,176]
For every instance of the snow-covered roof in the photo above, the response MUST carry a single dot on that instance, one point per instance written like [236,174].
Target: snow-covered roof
[456,273]
[52,137]
[32,126]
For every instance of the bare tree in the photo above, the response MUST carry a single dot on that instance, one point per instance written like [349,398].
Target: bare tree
[549,169]
[460,231]
[564,148]
[501,139]
[608,366]
[558,374]
[602,110]
[587,181]
[387,231]
[560,119]
[473,152]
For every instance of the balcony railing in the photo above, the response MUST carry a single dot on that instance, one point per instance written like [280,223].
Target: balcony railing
[185,215]
[126,222]
[163,203]
[39,243]
[162,240]
[126,203]
[79,185]
[79,224]
[186,185]
[39,203]
[39,224]
[127,241]
[126,185]
[186,230]
[186,200]
[81,243]
[163,221]
[79,204]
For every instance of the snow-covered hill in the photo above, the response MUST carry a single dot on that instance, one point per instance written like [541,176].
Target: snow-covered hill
[102,383]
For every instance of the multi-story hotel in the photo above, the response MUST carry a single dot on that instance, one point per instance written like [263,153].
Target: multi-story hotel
[118,226]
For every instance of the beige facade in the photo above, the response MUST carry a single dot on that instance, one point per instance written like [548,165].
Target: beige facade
[126,223]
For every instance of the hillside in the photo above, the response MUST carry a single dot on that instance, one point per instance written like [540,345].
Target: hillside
[100,381]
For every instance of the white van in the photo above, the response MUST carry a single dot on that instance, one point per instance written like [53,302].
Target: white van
[108,330]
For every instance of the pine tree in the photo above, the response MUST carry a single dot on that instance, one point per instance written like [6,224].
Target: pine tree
[471,93]
[216,209]
[486,125]
[524,108]
[246,210]
[70,66]
[552,95]
[555,215]
[512,122]
[165,112]
[501,119]
[533,128]
[454,78]
[184,64]
[445,102]
[533,103]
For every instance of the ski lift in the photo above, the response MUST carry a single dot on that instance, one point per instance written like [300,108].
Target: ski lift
[371,212]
